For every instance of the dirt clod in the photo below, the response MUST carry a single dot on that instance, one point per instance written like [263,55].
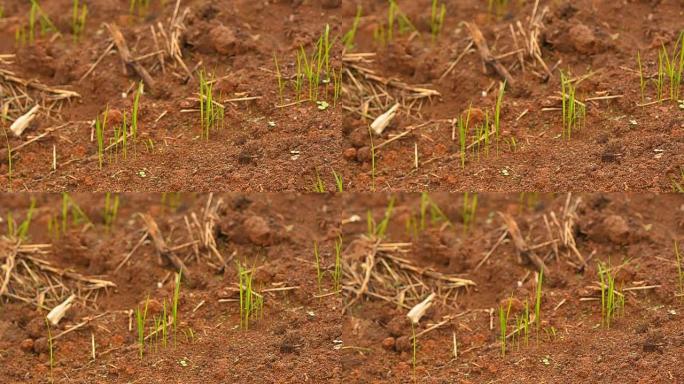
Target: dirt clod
[584,40]
[224,40]
[616,229]
[258,231]
[364,154]
[403,344]
[388,343]
[350,153]
[27,345]
[40,345]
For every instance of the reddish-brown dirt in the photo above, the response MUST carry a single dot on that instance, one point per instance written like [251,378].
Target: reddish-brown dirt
[233,40]
[303,336]
[634,233]
[294,340]
[622,147]
[263,147]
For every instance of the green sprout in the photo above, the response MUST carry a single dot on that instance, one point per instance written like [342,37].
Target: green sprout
[337,272]
[136,107]
[211,112]
[642,80]
[537,301]
[438,12]
[469,210]
[319,185]
[349,37]
[279,77]
[503,325]
[174,303]
[100,127]
[111,209]
[497,114]
[379,230]
[317,264]
[574,111]
[612,300]
[251,303]
[339,183]
[78,19]
[140,319]
[50,348]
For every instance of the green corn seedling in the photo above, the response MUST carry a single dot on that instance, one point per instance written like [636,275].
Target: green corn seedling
[349,37]
[642,80]
[319,185]
[497,115]
[164,324]
[251,304]
[111,209]
[279,78]
[211,112]
[23,228]
[469,211]
[36,14]
[71,209]
[317,264]
[337,86]
[537,302]
[503,325]
[136,108]
[50,348]
[403,23]
[612,300]
[438,12]
[337,272]
[380,229]
[463,130]
[100,127]
[140,319]
[339,182]
[78,19]
[174,303]
[574,112]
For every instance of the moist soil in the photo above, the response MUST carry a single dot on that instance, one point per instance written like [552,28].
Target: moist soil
[264,146]
[303,334]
